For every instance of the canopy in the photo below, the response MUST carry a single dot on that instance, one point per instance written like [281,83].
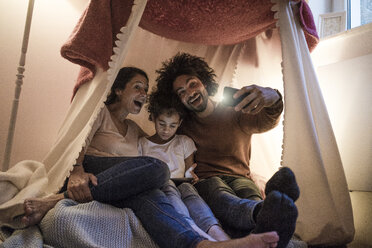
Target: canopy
[201,22]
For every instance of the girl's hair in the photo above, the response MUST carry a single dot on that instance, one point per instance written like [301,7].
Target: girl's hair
[124,76]
[164,104]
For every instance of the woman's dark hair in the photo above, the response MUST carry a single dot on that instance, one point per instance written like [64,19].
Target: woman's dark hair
[164,104]
[124,76]
[185,64]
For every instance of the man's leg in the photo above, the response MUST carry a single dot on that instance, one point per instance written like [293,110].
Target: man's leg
[226,205]
[243,187]
[278,211]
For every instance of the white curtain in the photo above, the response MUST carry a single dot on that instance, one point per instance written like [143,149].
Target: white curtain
[309,146]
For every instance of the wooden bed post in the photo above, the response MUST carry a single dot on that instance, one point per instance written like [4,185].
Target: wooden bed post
[19,82]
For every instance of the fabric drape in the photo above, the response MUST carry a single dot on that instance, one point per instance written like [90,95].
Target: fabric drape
[309,145]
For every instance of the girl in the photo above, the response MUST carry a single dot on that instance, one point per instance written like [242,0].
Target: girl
[177,151]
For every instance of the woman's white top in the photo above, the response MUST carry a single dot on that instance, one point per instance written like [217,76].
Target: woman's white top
[106,141]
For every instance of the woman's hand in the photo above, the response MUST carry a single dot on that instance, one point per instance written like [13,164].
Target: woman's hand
[78,185]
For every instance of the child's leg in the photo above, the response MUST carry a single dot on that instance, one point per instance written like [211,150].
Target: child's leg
[201,213]
[174,197]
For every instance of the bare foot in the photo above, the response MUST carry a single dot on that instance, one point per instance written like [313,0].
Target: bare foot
[268,239]
[218,233]
[36,208]
[259,240]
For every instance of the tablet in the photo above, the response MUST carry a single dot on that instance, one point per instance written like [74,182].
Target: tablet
[180,180]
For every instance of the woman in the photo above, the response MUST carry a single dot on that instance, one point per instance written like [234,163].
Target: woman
[109,170]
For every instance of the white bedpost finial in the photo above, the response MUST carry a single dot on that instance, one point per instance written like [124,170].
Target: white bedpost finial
[19,82]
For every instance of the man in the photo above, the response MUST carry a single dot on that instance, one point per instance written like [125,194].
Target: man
[223,139]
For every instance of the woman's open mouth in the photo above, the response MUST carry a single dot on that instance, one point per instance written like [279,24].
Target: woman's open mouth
[138,103]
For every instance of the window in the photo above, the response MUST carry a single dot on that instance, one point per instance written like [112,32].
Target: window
[359,12]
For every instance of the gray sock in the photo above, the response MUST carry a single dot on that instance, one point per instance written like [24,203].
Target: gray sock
[278,213]
[284,181]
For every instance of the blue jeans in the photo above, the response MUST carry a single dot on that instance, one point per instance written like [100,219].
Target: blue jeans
[134,183]
[186,200]
[233,200]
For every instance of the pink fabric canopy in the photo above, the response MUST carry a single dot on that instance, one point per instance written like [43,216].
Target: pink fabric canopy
[210,22]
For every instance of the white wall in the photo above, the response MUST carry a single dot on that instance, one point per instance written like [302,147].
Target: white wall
[339,5]
[49,78]
[344,67]
[319,7]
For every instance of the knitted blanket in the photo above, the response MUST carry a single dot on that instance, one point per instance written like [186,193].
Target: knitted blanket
[92,224]
[86,225]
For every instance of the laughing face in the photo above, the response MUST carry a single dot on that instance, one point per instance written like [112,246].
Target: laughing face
[133,97]
[191,92]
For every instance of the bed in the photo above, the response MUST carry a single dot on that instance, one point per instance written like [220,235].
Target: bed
[270,40]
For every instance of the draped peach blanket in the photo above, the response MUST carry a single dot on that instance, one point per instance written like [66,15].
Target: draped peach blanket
[202,22]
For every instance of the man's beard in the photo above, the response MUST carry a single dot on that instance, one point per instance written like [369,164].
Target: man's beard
[201,107]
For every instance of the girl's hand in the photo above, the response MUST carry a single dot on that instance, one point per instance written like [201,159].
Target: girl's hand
[195,178]
[78,185]
[190,172]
